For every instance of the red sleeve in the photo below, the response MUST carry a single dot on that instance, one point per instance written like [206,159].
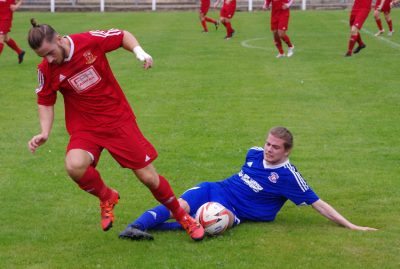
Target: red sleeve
[108,40]
[45,94]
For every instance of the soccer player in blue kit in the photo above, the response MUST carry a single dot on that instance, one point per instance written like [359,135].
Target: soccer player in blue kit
[256,193]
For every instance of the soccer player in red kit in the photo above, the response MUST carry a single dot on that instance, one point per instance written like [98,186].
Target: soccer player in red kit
[384,6]
[280,13]
[204,7]
[359,13]
[7,8]
[97,115]
[226,14]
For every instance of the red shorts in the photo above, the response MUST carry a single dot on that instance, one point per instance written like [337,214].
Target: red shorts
[204,9]
[280,20]
[126,144]
[358,17]
[227,11]
[386,6]
[5,26]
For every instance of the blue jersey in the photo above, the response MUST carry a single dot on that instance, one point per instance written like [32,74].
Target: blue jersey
[259,191]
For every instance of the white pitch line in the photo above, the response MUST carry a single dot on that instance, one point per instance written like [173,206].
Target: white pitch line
[245,43]
[388,41]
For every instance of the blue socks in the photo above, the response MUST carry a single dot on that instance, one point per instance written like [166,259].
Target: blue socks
[151,218]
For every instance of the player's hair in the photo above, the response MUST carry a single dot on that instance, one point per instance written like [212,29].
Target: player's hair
[38,33]
[284,134]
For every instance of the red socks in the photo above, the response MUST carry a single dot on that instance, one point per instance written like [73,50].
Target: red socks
[210,20]
[278,43]
[166,196]
[228,27]
[204,24]
[389,22]
[352,42]
[11,43]
[379,23]
[92,183]
[359,41]
[287,41]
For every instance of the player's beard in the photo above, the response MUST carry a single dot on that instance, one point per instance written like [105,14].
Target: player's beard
[63,54]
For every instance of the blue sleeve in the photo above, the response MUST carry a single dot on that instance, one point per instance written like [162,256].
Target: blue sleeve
[298,191]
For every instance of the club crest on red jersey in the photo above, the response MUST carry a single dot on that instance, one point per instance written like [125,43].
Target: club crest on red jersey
[273,177]
[90,58]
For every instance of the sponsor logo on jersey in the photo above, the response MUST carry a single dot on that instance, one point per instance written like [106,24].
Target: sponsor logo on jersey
[84,79]
[273,177]
[250,182]
[90,58]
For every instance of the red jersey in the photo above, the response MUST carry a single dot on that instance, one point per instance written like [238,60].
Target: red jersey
[93,98]
[5,11]
[229,3]
[278,4]
[362,4]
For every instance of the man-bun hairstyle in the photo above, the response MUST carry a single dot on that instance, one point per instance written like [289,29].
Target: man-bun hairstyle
[38,33]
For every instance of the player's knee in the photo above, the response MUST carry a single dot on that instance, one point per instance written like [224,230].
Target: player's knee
[184,205]
[75,166]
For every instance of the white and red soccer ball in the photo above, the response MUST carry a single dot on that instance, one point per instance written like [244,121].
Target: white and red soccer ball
[214,218]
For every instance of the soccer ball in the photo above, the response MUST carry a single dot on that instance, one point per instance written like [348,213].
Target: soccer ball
[214,218]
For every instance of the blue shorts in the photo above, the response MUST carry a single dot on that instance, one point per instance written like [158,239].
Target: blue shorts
[208,192]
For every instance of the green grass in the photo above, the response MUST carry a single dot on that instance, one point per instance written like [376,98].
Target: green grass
[205,102]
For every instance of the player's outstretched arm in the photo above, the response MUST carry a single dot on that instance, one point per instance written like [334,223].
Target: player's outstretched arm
[46,118]
[330,213]
[130,43]
[16,6]
[216,3]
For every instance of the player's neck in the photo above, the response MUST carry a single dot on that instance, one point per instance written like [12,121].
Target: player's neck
[275,165]
[67,46]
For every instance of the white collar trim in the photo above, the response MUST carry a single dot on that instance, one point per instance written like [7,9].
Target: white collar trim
[268,166]
[71,51]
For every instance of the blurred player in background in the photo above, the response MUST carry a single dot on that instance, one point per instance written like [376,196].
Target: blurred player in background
[7,8]
[256,193]
[359,13]
[226,14]
[385,7]
[204,7]
[97,114]
[280,13]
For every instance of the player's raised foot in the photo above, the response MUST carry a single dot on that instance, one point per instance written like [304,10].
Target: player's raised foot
[348,54]
[390,33]
[357,50]
[21,57]
[216,25]
[290,51]
[134,233]
[379,32]
[280,55]
[107,214]
[192,227]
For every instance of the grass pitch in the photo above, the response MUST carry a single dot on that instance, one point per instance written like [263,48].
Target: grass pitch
[205,102]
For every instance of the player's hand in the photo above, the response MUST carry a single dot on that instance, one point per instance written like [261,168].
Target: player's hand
[13,7]
[36,142]
[362,228]
[265,7]
[148,63]
[215,5]
[285,6]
